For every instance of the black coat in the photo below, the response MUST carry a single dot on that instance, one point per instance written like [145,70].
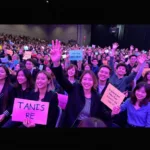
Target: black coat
[34,73]
[76,101]
[10,100]
[52,98]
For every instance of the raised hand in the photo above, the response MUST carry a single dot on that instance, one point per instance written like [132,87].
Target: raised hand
[141,59]
[131,47]
[27,123]
[115,111]
[56,51]
[115,46]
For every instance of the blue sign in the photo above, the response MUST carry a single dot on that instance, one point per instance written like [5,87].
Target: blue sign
[76,55]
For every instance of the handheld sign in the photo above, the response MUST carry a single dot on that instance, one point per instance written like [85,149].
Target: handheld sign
[112,97]
[76,55]
[27,55]
[63,99]
[37,111]
[10,52]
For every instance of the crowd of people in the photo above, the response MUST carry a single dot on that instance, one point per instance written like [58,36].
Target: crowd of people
[50,72]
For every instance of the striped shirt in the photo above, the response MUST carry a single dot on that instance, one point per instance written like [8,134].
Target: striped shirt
[85,113]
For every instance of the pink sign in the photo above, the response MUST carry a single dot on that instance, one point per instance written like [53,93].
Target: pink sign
[37,111]
[63,99]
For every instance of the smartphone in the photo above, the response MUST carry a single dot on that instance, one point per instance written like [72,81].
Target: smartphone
[126,56]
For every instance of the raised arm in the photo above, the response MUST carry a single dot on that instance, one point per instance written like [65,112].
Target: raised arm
[55,55]
[141,60]
[112,54]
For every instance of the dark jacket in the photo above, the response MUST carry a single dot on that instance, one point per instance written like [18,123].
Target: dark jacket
[76,101]
[34,73]
[10,99]
[19,93]
[52,98]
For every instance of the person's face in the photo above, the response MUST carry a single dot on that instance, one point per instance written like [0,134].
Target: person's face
[140,94]
[121,70]
[71,72]
[104,74]
[48,70]
[95,62]
[17,67]
[148,76]
[87,67]
[42,81]
[133,60]
[29,65]
[3,74]
[87,82]
[21,78]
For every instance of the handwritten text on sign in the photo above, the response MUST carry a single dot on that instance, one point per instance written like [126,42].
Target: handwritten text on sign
[112,97]
[76,55]
[63,99]
[27,55]
[35,110]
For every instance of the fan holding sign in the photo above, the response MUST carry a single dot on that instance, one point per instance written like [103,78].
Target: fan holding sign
[40,109]
[138,107]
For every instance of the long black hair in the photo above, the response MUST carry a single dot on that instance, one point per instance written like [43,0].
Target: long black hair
[5,88]
[27,74]
[147,90]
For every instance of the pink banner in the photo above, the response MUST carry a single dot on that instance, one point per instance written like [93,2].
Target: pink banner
[37,111]
[63,99]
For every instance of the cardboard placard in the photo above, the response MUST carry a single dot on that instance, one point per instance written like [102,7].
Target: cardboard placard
[27,55]
[112,97]
[76,55]
[37,111]
[10,52]
[63,99]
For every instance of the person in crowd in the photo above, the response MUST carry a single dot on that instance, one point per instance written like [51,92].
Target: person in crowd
[118,78]
[43,92]
[132,63]
[56,87]
[29,64]
[103,78]
[6,95]
[23,88]
[137,106]
[92,123]
[83,100]
[72,74]
[14,62]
